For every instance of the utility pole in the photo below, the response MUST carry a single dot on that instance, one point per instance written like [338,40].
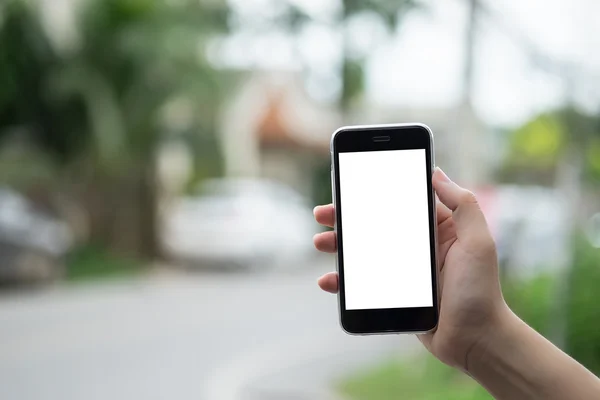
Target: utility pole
[470,163]
[467,90]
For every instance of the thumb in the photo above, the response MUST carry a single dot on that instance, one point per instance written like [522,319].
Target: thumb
[466,213]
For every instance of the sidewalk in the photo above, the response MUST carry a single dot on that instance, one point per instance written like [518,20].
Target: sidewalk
[305,371]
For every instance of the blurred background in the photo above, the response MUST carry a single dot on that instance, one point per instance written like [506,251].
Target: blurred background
[160,159]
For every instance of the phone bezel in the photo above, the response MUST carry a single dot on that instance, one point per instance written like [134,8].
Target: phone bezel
[360,139]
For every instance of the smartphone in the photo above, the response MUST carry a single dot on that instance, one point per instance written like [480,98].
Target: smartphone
[385,223]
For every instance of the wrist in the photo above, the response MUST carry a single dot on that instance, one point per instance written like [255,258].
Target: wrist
[499,332]
[513,361]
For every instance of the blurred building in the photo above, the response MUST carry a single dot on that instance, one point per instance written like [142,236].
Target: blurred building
[273,129]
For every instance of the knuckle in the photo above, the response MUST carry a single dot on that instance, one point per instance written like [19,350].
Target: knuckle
[467,197]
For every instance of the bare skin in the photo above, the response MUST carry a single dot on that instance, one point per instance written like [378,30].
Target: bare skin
[477,333]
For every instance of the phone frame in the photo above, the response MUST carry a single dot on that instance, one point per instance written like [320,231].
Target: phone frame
[402,137]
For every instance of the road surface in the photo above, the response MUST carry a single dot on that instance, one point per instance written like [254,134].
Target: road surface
[180,336]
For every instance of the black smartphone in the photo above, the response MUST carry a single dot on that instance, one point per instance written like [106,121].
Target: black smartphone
[386,228]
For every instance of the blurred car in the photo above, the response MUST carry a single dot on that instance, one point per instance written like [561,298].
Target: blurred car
[32,243]
[530,225]
[243,223]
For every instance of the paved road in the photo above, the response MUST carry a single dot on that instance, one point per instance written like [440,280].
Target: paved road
[200,336]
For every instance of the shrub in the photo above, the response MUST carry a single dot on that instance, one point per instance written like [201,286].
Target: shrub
[94,262]
[531,299]
[583,307]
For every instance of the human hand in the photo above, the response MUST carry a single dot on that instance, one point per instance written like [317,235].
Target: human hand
[471,301]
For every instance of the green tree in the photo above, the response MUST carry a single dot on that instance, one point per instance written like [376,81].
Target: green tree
[537,149]
[26,58]
[389,14]
[97,107]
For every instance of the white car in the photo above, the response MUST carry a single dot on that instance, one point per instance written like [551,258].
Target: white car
[33,244]
[241,223]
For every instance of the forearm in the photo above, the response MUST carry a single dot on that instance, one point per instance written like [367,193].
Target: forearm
[515,362]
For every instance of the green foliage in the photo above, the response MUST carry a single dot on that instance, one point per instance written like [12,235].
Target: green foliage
[583,323]
[582,129]
[136,56]
[353,82]
[536,148]
[22,167]
[101,100]
[539,142]
[389,11]
[26,59]
[418,379]
[94,262]
[322,184]
[593,160]
[96,106]
[208,162]
[531,299]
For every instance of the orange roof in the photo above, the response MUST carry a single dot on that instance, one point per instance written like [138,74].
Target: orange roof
[272,130]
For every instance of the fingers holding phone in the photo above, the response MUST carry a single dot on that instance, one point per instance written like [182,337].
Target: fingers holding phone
[468,282]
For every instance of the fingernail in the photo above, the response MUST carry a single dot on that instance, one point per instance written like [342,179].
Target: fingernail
[443,176]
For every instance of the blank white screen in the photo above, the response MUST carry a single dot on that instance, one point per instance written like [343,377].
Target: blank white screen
[385,229]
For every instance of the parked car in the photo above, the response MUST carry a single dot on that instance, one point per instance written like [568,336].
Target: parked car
[244,223]
[32,243]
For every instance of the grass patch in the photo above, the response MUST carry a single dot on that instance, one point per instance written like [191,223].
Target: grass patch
[419,379]
[92,262]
